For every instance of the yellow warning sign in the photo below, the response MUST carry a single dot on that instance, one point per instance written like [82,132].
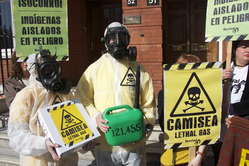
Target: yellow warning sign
[70,124]
[194,99]
[57,100]
[192,112]
[129,78]
[69,120]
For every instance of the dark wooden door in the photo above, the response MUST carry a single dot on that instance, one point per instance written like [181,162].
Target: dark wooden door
[185,29]
[100,14]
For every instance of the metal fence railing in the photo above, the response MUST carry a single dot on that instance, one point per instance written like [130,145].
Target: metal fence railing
[6,49]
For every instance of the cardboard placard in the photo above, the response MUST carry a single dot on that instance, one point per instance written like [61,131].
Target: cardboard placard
[68,125]
[192,99]
[227,20]
[235,147]
[39,24]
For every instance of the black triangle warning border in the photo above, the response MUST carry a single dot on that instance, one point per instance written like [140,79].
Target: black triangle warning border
[185,89]
[62,121]
[56,98]
[121,84]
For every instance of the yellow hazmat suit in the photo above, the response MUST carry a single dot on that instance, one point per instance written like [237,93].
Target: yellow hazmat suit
[109,82]
[25,133]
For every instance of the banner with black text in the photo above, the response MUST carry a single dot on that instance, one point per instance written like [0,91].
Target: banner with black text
[227,20]
[41,24]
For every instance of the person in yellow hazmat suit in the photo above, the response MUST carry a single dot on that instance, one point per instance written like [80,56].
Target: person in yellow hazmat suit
[26,135]
[110,81]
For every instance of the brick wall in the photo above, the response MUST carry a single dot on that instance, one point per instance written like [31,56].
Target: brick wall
[5,68]
[147,37]
[6,64]
[77,41]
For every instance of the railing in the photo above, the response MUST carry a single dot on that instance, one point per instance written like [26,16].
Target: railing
[6,49]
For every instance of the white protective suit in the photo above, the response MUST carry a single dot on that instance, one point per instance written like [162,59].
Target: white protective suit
[25,133]
[105,84]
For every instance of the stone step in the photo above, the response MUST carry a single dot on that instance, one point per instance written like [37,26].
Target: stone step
[153,144]
[8,161]
[7,156]
[4,140]
[154,147]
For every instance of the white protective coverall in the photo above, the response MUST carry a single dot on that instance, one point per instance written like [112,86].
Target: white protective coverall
[105,84]
[25,133]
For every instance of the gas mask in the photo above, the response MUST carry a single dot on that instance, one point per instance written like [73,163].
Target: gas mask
[116,40]
[49,71]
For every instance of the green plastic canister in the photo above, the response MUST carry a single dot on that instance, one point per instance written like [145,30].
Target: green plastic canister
[126,125]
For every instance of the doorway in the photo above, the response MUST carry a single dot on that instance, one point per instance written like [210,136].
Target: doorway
[185,29]
[100,14]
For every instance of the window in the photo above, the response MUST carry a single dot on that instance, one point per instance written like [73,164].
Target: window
[6,41]
[5,25]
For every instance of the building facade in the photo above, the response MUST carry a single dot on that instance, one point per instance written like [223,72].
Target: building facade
[160,29]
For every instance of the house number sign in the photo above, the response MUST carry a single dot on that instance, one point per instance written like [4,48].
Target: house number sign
[153,2]
[131,2]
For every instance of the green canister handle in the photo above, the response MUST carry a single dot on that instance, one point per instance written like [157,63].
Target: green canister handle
[108,110]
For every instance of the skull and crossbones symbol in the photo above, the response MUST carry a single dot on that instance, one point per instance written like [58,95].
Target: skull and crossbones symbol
[194,94]
[130,78]
[69,120]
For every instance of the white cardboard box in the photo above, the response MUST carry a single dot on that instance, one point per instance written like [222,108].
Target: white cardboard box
[68,125]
